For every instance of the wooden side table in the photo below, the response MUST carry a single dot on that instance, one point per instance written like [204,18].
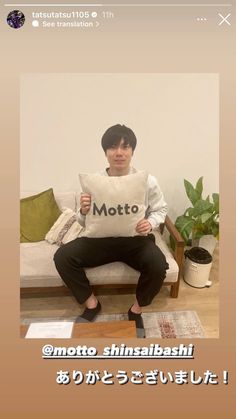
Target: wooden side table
[118,329]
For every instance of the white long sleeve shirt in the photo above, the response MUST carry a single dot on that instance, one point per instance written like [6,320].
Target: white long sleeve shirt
[154,200]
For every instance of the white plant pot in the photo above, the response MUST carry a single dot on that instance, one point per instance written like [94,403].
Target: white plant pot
[208,242]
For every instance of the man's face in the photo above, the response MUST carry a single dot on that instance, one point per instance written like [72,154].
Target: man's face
[119,156]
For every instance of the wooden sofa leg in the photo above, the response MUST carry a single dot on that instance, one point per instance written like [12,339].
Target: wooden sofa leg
[174,290]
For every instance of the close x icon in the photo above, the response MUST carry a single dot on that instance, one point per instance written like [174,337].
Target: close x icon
[224,19]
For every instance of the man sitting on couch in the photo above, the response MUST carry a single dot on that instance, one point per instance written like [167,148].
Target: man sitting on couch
[138,251]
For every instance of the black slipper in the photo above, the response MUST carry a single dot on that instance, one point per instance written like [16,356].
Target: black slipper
[140,331]
[89,314]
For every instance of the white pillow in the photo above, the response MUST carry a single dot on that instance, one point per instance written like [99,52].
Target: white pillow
[65,228]
[117,204]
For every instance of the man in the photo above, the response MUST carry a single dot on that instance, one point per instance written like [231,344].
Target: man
[139,252]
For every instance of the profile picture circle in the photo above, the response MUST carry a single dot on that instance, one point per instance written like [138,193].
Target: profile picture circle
[16,19]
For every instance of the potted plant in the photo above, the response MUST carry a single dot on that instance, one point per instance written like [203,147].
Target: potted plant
[202,218]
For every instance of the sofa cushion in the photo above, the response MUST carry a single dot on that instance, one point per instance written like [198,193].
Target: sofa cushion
[64,199]
[117,204]
[37,267]
[37,215]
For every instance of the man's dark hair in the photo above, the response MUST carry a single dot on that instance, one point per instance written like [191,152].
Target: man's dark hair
[114,134]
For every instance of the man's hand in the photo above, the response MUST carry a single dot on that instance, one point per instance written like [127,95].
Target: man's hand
[143,227]
[85,203]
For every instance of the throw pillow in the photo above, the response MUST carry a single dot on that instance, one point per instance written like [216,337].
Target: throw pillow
[37,215]
[117,204]
[65,229]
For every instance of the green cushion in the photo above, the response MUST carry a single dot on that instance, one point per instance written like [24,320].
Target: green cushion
[37,215]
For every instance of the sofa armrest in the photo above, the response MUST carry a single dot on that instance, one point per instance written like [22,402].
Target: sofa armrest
[178,240]
[175,234]
[178,252]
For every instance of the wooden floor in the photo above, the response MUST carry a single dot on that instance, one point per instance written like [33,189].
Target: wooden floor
[204,301]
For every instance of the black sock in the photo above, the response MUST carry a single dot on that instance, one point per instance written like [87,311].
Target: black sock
[137,318]
[90,313]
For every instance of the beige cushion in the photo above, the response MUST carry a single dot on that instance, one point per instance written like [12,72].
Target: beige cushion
[66,199]
[117,204]
[65,229]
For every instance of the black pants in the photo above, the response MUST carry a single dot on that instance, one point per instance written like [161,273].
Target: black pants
[139,252]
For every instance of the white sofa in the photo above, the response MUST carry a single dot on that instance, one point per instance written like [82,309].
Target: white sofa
[39,275]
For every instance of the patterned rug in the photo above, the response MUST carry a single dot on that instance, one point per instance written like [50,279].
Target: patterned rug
[163,325]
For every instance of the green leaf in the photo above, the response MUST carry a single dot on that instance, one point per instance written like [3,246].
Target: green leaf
[198,230]
[198,234]
[211,226]
[190,191]
[205,217]
[215,229]
[199,186]
[202,206]
[184,225]
[215,197]
[189,212]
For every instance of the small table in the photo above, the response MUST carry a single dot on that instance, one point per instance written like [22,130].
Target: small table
[118,329]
